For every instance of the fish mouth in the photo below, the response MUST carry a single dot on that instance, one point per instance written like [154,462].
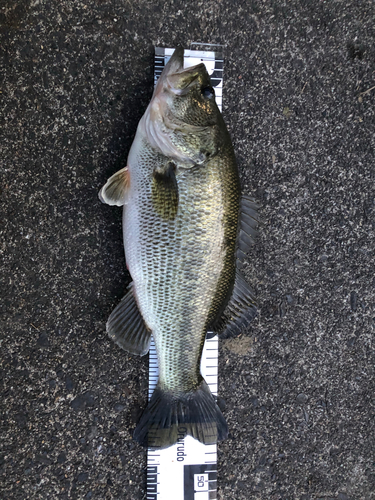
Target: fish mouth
[175,63]
[175,77]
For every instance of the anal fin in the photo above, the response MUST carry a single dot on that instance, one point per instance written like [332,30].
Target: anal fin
[127,328]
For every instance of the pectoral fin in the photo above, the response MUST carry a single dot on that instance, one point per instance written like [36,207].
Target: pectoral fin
[127,327]
[165,191]
[114,190]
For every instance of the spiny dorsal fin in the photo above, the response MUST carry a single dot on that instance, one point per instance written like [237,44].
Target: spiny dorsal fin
[249,221]
[164,191]
[127,327]
[114,190]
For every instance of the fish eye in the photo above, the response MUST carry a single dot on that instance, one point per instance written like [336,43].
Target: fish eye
[207,92]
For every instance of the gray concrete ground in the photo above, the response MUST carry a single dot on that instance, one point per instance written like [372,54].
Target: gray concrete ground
[298,386]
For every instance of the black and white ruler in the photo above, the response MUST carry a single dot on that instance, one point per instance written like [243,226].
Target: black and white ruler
[187,470]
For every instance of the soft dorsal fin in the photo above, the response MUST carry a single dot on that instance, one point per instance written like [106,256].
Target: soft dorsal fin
[239,312]
[114,190]
[127,328]
[241,307]
[249,221]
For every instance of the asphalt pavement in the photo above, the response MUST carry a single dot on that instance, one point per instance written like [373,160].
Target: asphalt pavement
[297,388]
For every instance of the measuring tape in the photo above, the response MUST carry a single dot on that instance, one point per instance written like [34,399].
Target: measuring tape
[188,469]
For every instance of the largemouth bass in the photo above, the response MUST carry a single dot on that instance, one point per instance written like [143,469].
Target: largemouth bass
[186,231]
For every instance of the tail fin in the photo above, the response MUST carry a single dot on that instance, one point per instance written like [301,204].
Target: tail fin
[167,416]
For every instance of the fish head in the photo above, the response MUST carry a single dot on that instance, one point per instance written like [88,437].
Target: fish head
[188,92]
[183,120]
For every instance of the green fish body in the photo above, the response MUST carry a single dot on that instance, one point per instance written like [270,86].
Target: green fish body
[185,234]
